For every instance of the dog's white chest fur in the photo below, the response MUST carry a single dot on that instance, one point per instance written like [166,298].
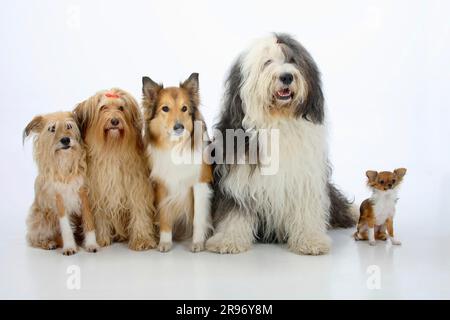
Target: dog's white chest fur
[302,171]
[384,205]
[70,194]
[168,166]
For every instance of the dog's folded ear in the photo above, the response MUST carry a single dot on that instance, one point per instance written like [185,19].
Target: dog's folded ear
[372,175]
[80,115]
[192,87]
[35,126]
[400,172]
[150,89]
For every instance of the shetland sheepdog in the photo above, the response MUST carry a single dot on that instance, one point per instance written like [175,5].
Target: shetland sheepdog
[175,137]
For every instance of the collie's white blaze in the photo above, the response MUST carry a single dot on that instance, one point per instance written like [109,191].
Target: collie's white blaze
[202,212]
[261,67]
[67,233]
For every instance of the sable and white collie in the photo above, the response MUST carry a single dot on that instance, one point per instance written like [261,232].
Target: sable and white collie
[175,137]
[117,175]
[61,205]
[275,85]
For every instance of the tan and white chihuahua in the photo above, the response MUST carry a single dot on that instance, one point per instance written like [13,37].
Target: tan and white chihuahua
[175,138]
[61,205]
[377,212]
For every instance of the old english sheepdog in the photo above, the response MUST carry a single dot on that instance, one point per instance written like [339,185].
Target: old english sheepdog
[275,85]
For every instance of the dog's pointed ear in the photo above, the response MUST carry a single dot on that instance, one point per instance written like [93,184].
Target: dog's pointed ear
[35,126]
[372,175]
[400,172]
[150,89]
[192,87]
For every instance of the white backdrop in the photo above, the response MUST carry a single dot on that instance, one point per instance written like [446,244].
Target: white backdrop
[384,64]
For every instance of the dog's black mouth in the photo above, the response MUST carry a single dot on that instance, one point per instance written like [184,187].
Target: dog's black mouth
[64,148]
[284,94]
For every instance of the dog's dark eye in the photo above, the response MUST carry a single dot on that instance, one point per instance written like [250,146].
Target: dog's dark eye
[381,181]
[393,181]
[267,62]
[184,109]
[165,109]
[292,60]
[121,108]
[102,108]
[69,126]
[52,128]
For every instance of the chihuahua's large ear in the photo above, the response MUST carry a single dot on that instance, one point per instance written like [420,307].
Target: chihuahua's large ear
[192,87]
[372,175]
[35,126]
[150,89]
[400,172]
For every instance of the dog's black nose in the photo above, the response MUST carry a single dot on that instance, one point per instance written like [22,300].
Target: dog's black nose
[65,141]
[286,78]
[390,185]
[115,121]
[178,127]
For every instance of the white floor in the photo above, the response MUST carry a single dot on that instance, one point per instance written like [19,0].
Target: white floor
[420,268]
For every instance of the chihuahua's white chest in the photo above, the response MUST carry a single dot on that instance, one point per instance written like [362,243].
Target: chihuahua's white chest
[384,205]
[178,170]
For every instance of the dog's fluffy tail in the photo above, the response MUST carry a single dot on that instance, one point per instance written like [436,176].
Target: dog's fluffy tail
[343,213]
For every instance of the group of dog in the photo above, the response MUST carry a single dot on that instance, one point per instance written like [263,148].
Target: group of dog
[107,170]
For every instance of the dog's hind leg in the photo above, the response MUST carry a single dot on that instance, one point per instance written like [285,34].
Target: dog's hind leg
[42,228]
[234,234]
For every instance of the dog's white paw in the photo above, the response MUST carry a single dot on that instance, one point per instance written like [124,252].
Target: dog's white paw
[396,242]
[69,251]
[221,244]
[92,247]
[165,246]
[197,246]
[373,243]
[312,245]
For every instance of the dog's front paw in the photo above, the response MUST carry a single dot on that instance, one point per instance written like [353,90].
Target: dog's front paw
[69,251]
[49,245]
[197,246]
[104,242]
[165,246]
[141,244]
[221,244]
[313,245]
[92,247]
[396,242]
[373,243]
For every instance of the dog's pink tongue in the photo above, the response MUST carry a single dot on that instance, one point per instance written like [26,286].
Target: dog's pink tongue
[284,92]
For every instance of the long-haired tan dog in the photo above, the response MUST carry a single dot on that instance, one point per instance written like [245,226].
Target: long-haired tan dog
[117,175]
[60,192]
[174,133]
